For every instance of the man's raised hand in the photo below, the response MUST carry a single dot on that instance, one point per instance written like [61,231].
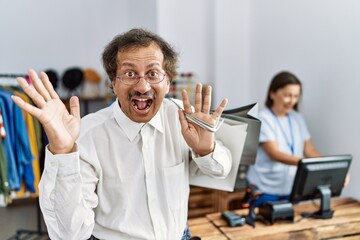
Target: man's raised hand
[62,128]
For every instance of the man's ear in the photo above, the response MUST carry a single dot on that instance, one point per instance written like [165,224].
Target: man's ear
[168,83]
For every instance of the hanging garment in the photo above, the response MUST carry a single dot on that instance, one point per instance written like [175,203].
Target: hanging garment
[21,144]
[4,184]
[32,175]
[12,173]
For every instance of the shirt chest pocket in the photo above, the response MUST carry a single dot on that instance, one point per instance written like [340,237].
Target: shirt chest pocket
[175,186]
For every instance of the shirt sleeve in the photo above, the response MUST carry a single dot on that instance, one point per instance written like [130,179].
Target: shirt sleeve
[216,164]
[267,129]
[68,214]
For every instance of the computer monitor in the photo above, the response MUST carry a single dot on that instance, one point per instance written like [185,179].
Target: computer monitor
[320,177]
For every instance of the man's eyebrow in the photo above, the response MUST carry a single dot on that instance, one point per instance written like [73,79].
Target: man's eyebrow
[128,64]
[153,65]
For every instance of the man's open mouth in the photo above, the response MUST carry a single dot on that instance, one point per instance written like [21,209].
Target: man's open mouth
[142,104]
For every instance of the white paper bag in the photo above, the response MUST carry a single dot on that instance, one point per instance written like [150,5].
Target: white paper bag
[232,134]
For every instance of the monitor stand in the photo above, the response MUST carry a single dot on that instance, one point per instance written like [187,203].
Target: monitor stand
[325,211]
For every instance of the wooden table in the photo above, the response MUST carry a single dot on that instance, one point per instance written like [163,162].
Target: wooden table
[204,228]
[345,224]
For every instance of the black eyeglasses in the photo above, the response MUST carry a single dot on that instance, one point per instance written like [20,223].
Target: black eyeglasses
[130,78]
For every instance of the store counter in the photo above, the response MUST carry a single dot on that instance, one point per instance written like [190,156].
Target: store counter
[345,224]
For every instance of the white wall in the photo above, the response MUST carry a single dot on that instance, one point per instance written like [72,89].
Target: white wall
[232,65]
[63,34]
[188,26]
[57,34]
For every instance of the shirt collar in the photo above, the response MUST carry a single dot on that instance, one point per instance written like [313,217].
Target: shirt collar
[131,128]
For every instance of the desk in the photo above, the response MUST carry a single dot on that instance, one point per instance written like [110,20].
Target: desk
[345,224]
[202,227]
[203,201]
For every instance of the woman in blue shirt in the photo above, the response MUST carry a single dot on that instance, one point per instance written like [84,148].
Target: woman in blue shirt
[284,140]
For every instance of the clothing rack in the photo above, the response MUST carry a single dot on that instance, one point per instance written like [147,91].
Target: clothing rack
[11,75]
[39,233]
[8,79]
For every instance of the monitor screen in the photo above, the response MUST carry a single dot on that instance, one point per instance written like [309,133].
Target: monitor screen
[320,177]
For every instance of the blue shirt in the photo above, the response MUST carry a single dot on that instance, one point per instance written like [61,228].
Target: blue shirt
[271,176]
[17,146]
[13,177]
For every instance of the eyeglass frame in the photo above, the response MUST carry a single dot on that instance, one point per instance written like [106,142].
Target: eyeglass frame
[138,77]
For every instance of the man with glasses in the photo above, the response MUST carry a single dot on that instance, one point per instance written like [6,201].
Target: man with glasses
[124,172]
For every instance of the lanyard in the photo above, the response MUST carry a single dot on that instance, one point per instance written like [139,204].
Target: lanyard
[290,142]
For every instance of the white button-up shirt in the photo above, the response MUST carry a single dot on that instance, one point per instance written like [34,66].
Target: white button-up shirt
[126,180]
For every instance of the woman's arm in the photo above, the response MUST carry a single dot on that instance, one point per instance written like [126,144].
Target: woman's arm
[272,150]
[310,150]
